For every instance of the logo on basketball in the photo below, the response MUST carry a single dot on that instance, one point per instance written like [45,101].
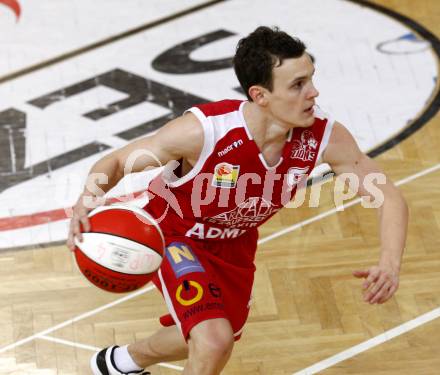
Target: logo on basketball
[120,253]
[120,257]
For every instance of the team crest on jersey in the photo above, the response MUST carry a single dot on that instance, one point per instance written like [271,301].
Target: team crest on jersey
[225,175]
[305,149]
[295,174]
[247,214]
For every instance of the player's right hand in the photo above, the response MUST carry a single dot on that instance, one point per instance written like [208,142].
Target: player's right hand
[79,222]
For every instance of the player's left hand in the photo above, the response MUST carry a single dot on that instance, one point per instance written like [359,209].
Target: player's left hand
[380,284]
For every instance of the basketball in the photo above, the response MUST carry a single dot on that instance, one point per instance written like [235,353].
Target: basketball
[122,250]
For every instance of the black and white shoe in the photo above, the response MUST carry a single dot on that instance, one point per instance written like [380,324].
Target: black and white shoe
[102,363]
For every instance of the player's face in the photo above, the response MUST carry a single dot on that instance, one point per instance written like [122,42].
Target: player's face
[293,95]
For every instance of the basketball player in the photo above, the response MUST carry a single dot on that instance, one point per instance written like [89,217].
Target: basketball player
[240,161]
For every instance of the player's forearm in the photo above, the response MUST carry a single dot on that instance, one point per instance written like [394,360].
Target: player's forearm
[393,228]
[104,175]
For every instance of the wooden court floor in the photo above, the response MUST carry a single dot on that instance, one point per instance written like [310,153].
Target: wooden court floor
[307,307]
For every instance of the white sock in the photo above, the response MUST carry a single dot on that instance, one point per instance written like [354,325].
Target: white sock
[123,360]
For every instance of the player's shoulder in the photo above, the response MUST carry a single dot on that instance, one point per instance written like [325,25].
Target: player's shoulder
[189,130]
[183,128]
[218,108]
[340,134]
[341,145]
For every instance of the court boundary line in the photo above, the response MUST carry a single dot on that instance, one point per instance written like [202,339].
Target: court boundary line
[341,207]
[77,318]
[371,343]
[77,345]
[405,180]
[95,349]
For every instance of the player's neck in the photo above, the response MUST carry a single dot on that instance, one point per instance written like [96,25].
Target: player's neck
[263,127]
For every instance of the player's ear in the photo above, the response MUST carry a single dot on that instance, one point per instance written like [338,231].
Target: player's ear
[258,95]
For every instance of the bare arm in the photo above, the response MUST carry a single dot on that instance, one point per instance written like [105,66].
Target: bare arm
[180,138]
[344,156]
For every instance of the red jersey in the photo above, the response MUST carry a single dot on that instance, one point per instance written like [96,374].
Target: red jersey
[231,189]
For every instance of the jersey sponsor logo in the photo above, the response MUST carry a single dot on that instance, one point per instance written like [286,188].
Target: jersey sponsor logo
[189,293]
[247,214]
[225,175]
[305,149]
[231,147]
[295,175]
[194,310]
[198,231]
[182,259]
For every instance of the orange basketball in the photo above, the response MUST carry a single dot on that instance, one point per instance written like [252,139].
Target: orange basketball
[123,249]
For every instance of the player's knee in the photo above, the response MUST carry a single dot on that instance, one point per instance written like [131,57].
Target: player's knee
[212,343]
[213,348]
